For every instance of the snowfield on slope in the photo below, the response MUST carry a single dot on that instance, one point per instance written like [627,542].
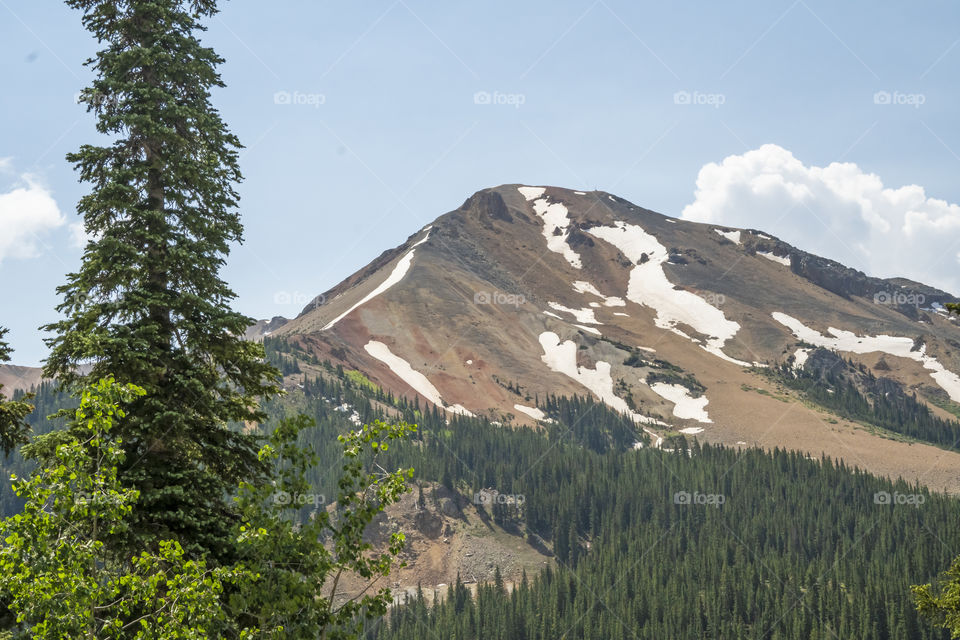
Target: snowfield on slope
[561,357]
[592,330]
[533,412]
[395,276]
[581,286]
[732,236]
[685,406]
[893,345]
[416,380]
[649,286]
[556,224]
[772,256]
[582,315]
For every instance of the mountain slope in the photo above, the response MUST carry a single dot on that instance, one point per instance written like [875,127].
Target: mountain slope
[525,291]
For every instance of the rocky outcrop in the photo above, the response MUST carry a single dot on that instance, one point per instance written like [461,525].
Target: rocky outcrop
[901,294]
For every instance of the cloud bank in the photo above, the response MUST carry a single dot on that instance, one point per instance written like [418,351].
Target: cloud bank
[838,211]
[27,212]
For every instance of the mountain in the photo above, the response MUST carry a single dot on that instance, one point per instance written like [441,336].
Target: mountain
[17,378]
[526,292]
[523,293]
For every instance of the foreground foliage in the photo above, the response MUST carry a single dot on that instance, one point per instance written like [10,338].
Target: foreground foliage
[13,413]
[62,579]
[298,563]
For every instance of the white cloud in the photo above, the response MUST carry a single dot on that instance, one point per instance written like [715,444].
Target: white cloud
[27,212]
[79,236]
[837,211]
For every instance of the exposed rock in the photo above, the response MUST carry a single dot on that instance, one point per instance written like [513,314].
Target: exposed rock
[487,203]
[449,507]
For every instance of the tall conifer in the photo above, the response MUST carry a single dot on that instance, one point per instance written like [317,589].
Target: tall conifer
[147,304]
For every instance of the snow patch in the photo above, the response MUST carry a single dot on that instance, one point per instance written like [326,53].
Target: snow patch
[800,357]
[732,236]
[552,315]
[460,410]
[625,315]
[469,361]
[533,412]
[580,193]
[588,329]
[581,286]
[556,230]
[685,406]
[692,431]
[893,345]
[582,315]
[770,256]
[416,380]
[404,371]
[658,443]
[531,193]
[649,286]
[561,357]
[395,276]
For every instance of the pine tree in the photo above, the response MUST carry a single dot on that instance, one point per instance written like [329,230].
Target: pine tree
[147,304]
[13,426]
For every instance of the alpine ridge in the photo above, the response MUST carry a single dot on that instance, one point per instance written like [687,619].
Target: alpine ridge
[690,329]
[527,291]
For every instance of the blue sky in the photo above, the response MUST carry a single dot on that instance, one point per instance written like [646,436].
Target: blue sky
[388,125]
